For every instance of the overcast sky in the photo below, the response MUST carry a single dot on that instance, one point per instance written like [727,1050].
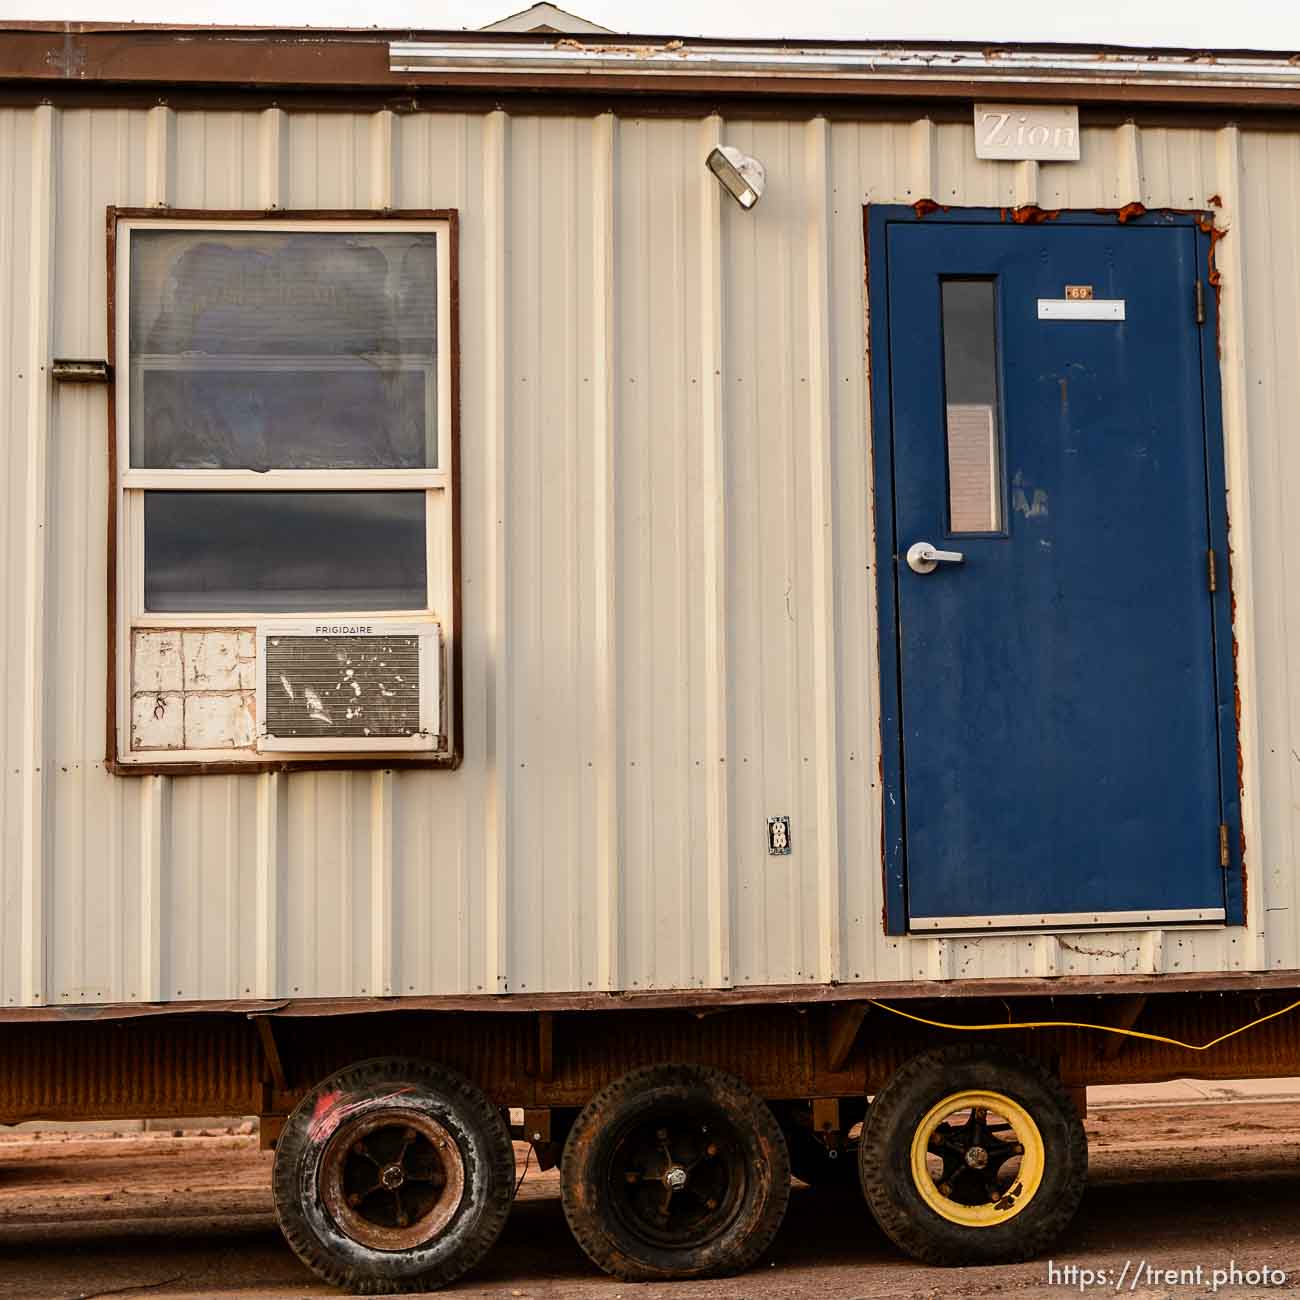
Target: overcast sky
[1256,24]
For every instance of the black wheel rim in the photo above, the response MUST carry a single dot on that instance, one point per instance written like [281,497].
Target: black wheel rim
[392,1180]
[974,1158]
[677,1175]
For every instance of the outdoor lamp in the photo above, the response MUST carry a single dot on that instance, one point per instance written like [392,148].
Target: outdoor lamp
[742,177]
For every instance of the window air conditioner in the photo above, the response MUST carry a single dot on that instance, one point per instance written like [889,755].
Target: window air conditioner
[349,686]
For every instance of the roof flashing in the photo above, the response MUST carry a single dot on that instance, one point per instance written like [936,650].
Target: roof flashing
[677,59]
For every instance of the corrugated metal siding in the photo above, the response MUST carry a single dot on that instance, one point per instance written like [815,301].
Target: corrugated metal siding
[1269,168]
[669,628]
[16,131]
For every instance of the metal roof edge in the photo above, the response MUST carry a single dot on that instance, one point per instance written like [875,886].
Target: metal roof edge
[679,59]
[488,37]
[117,59]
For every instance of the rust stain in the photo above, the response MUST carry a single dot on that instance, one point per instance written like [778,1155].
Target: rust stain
[884,839]
[1205,222]
[168,1065]
[1030,214]
[1215,201]
[1130,212]
[1236,705]
[635,51]
[923,207]
[1208,227]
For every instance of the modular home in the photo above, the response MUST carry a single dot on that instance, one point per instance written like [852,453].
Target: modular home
[639,594]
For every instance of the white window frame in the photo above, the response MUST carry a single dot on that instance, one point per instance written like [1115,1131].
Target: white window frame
[132,483]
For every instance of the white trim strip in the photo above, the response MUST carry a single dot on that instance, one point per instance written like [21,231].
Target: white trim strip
[605,660]
[272,841]
[286,480]
[36,395]
[1035,920]
[714,501]
[673,58]
[821,543]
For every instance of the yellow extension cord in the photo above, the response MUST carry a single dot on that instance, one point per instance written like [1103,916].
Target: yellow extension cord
[1074,1024]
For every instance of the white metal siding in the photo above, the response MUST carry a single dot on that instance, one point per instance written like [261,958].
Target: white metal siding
[669,597]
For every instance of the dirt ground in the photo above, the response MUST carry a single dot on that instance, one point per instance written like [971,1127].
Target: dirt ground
[152,1216]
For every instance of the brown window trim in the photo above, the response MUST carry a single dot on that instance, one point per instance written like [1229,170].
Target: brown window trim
[227,767]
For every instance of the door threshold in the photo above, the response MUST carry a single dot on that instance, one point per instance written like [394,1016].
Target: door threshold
[1038,921]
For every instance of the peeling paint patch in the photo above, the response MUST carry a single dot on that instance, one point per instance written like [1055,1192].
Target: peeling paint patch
[219,660]
[219,720]
[157,720]
[192,688]
[1122,954]
[1032,507]
[156,662]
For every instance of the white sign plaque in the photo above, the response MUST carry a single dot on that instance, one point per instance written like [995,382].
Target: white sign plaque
[1038,132]
[1081,309]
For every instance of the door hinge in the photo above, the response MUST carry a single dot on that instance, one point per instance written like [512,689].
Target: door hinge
[1211,571]
[1200,303]
[1225,858]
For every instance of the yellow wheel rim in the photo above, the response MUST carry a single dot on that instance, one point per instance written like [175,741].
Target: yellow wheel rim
[977,1158]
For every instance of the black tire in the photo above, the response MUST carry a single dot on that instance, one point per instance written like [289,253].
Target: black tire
[432,1137]
[618,1168]
[1027,1215]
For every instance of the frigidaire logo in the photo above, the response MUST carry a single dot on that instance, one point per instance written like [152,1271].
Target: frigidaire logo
[343,629]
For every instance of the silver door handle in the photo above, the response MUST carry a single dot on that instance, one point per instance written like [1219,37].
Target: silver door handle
[922,557]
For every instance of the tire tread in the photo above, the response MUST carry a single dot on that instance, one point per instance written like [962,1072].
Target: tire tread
[495,1207]
[893,1105]
[584,1224]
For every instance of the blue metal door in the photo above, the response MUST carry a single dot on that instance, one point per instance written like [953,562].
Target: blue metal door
[1057,577]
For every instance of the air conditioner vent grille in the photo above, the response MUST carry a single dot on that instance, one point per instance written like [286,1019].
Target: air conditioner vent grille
[337,687]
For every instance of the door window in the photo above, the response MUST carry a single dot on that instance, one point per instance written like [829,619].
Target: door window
[970,372]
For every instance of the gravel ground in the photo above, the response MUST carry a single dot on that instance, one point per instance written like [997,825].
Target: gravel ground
[152,1216]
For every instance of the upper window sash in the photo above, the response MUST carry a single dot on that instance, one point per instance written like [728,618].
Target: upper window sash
[215,323]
